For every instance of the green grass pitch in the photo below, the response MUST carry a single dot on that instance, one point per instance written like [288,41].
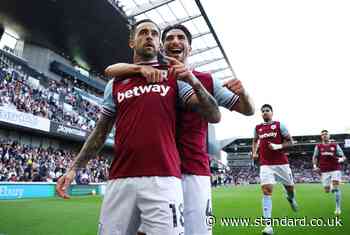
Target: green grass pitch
[79,215]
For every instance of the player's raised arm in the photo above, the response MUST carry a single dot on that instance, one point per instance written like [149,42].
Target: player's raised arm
[123,70]
[244,104]
[90,149]
[201,100]
[231,98]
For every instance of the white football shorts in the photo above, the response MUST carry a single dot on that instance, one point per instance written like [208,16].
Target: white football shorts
[328,177]
[197,202]
[151,205]
[270,174]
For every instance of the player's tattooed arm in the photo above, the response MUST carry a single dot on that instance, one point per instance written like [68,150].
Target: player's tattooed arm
[124,70]
[94,143]
[90,149]
[202,101]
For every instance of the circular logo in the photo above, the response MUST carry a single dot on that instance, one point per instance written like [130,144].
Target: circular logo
[210,220]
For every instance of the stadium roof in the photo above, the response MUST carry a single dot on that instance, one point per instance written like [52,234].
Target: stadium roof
[62,26]
[207,52]
[92,33]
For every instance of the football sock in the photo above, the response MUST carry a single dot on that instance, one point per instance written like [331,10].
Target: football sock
[290,194]
[337,194]
[267,206]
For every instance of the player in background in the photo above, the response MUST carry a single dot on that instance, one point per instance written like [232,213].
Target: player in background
[327,158]
[273,137]
[144,193]
[192,128]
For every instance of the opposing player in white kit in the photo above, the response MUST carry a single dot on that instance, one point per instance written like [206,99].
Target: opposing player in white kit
[327,158]
[144,193]
[192,128]
[273,137]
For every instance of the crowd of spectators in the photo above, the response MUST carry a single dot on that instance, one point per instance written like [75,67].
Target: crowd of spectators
[56,101]
[301,168]
[236,176]
[28,163]
[20,162]
[16,91]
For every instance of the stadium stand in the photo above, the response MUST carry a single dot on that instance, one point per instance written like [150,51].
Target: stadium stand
[68,102]
[59,101]
[28,163]
[244,171]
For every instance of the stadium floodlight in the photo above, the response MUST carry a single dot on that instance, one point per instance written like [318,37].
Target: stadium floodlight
[201,50]
[179,21]
[148,7]
[205,62]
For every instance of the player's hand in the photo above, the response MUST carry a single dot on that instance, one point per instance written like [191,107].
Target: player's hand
[63,184]
[255,156]
[180,71]
[273,146]
[235,86]
[152,75]
[341,159]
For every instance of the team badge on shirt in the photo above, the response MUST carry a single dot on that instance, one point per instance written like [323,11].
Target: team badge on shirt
[273,127]
[332,148]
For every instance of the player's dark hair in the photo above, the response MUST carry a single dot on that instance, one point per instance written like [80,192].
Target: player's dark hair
[324,131]
[180,27]
[137,23]
[266,106]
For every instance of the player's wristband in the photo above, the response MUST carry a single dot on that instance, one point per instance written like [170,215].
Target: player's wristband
[276,146]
